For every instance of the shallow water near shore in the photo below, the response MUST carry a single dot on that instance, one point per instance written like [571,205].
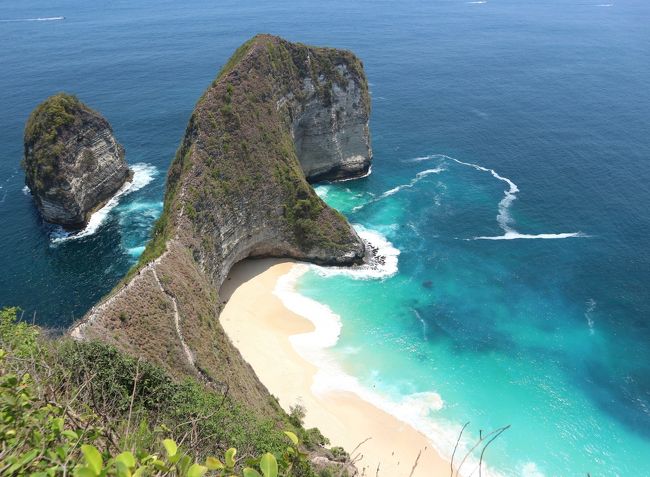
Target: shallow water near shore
[511,144]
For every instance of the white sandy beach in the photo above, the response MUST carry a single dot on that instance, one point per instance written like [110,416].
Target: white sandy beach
[260,326]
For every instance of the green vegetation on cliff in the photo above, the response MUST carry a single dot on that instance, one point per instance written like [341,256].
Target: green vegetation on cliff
[42,136]
[73,163]
[238,149]
[86,408]
[235,189]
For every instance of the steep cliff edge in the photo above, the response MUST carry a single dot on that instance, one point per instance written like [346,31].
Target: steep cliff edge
[73,164]
[279,114]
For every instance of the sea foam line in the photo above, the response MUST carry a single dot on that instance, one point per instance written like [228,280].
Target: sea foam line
[143,174]
[418,177]
[504,219]
[416,410]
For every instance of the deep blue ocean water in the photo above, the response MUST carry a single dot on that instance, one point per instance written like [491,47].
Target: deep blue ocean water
[551,336]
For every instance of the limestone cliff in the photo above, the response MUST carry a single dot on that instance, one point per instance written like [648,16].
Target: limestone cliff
[277,115]
[73,163]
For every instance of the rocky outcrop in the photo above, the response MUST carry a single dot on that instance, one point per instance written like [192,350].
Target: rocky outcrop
[330,116]
[278,114]
[73,163]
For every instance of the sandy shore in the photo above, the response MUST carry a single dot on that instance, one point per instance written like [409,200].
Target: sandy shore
[260,326]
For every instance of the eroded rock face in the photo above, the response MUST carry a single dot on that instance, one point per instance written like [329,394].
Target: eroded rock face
[330,130]
[73,163]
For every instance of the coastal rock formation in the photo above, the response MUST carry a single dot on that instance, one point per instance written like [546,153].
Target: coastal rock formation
[73,163]
[277,115]
[329,117]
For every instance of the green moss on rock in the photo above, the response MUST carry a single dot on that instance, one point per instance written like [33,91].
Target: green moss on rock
[72,162]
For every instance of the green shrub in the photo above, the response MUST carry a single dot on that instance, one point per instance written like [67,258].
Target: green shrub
[90,410]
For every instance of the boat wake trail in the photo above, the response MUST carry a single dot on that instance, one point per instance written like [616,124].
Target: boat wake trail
[504,219]
[38,19]
[512,235]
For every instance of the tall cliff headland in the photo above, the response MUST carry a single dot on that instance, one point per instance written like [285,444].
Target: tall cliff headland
[278,116]
[73,163]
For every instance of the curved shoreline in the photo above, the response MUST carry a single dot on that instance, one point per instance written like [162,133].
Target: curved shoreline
[263,329]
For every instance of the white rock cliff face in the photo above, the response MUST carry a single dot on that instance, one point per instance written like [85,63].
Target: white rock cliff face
[332,140]
[77,172]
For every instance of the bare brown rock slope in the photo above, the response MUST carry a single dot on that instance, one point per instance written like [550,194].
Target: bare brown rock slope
[73,163]
[277,115]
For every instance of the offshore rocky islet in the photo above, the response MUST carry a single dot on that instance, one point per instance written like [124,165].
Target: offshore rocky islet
[73,163]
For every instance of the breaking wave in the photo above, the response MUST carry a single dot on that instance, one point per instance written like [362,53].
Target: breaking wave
[143,174]
[383,261]
[503,218]
[416,409]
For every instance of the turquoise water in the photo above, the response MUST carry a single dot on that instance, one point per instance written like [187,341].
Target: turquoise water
[551,336]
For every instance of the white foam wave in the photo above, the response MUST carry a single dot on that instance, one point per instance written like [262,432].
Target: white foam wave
[417,409]
[504,219]
[383,262]
[418,177]
[37,19]
[321,191]
[477,3]
[143,174]
[135,252]
[26,190]
[512,235]
[355,178]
